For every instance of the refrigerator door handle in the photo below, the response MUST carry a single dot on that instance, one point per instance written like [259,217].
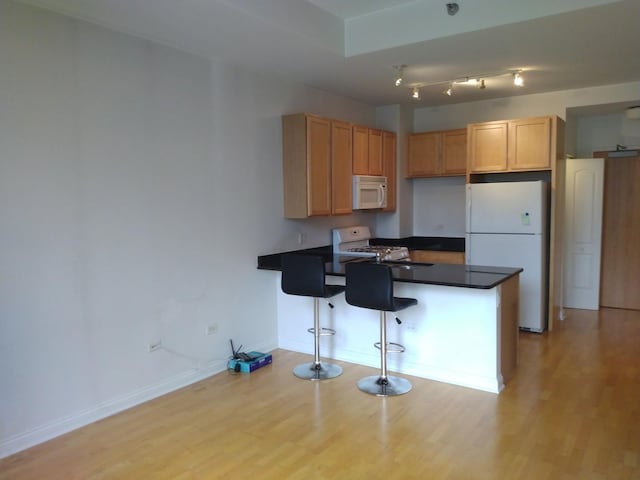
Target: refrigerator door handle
[468,250]
[468,206]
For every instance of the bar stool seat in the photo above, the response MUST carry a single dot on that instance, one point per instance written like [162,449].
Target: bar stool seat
[304,275]
[370,285]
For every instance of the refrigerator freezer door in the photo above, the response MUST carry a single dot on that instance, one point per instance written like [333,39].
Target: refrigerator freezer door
[508,207]
[524,251]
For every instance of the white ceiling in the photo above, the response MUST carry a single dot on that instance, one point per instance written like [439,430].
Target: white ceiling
[349,47]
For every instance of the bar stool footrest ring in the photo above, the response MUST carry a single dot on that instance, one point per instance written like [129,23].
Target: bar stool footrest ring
[323,331]
[392,347]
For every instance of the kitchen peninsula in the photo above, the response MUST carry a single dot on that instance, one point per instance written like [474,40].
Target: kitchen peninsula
[463,331]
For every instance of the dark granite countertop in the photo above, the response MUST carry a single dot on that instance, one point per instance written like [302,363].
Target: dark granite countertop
[467,276]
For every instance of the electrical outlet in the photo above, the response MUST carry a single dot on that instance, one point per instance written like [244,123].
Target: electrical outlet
[153,346]
[212,329]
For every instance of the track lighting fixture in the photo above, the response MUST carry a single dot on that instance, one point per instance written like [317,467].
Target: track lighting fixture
[478,81]
[467,81]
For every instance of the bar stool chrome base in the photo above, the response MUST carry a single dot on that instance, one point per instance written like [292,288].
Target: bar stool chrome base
[320,371]
[377,385]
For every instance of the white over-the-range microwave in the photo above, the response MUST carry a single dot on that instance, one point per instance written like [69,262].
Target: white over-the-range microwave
[369,192]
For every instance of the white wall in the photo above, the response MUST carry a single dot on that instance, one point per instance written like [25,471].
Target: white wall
[399,119]
[439,207]
[138,184]
[603,132]
[583,135]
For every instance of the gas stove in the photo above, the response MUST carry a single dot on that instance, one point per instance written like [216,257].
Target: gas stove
[354,241]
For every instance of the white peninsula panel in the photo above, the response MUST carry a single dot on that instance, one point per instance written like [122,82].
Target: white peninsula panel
[463,336]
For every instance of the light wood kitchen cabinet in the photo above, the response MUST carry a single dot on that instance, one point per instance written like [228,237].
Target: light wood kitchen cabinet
[360,150]
[317,162]
[511,145]
[454,152]
[367,151]
[437,256]
[341,168]
[435,154]
[423,154]
[389,144]
[487,147]
[375,152]
[529,144]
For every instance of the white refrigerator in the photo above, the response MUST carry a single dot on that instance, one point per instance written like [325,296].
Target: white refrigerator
[506,226]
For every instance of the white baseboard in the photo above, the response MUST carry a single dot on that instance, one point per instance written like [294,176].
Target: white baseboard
[371,358]
[66,424]
[60,426]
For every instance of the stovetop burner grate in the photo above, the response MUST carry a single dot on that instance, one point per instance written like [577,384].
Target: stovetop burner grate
[355,241]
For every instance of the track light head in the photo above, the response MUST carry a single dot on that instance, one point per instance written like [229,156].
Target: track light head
[399,75]
[416,93]
[518,81]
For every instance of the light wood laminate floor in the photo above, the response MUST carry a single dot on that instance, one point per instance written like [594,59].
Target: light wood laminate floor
[572,411]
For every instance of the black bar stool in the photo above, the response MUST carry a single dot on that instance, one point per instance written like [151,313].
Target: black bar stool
[370,285]
[305,275]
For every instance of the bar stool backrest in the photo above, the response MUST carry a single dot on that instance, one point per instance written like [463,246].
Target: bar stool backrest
[303,275]
[370,285]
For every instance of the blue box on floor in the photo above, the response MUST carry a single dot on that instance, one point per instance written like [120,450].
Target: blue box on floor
[260,360]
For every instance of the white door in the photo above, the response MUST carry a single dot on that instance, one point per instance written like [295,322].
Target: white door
[583,226]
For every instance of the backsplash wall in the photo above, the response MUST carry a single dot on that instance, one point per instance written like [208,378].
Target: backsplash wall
[439,207]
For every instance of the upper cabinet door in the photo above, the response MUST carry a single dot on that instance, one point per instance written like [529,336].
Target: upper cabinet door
[341,170]
[318,166]
[360,150]
[435,154]
[454,152]
[424,153]
[299,132]
[375,152]
[530,144]
[487,147]
[367,151]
